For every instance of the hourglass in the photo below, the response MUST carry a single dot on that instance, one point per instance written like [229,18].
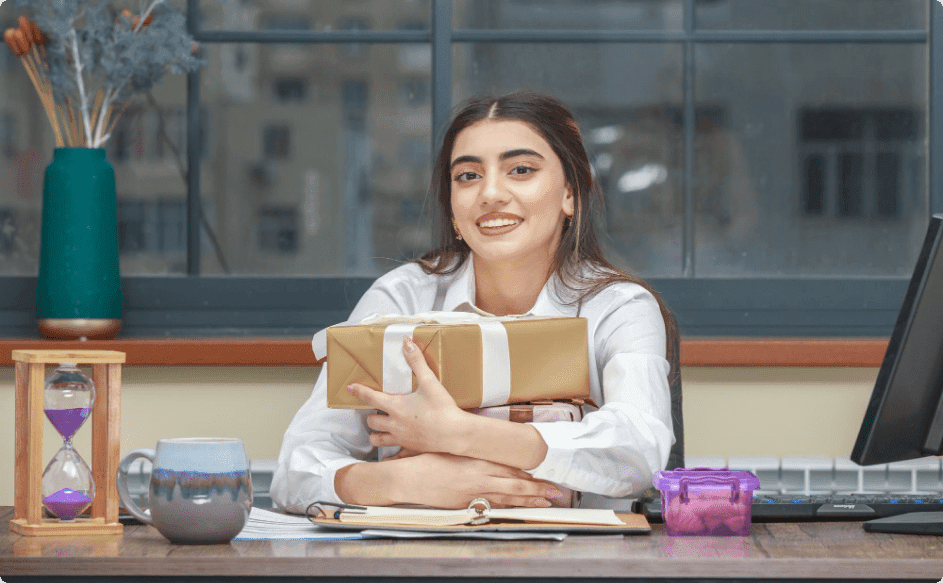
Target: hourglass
[67,486]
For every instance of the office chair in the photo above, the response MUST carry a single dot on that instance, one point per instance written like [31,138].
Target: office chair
[676,455]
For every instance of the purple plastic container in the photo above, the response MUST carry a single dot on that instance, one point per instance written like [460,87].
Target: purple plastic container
[706,502]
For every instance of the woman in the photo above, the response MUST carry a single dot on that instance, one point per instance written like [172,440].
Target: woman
[515,194]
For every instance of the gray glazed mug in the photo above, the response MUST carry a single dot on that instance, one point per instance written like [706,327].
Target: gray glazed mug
[200,489]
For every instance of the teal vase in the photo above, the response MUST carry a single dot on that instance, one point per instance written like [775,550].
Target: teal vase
[79,290]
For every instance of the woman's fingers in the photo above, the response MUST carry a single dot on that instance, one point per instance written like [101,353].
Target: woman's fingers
[382,440]
[379,422]
[418,363]
[373,399]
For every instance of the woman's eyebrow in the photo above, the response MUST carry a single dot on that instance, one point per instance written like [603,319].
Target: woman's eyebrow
[463,159]
[518,152]
[504,156]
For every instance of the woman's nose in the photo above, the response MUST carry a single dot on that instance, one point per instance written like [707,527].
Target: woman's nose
[493,190]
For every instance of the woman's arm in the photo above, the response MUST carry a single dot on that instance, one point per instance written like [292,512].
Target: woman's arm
[428,420]
[440,480]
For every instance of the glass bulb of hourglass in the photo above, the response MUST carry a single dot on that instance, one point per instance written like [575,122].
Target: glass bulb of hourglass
[67,484]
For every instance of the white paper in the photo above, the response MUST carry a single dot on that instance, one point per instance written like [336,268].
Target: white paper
[267,525]
[380,533]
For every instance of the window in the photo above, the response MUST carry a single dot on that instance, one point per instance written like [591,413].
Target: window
[290,90]
[151,226]
[723,133]
[7,136]
[276,142]
[278,230]
[7,231]
[855,162]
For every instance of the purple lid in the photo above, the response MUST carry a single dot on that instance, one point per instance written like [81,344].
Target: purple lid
[704,479]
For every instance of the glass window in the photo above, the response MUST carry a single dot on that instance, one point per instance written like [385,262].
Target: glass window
[631,124]
[819,168]
[568,14]
[812,14]
[346,161]
[321,15]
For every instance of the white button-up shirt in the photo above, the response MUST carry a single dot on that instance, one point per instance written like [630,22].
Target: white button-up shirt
[613,451]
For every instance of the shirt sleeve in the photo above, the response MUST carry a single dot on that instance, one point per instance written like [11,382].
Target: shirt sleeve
[615,450]
[319,441]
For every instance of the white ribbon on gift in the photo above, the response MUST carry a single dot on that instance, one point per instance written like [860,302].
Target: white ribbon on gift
[495,354]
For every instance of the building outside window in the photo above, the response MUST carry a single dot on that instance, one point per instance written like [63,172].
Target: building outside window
[751,154]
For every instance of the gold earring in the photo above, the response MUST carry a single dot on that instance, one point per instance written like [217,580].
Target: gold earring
[458,234]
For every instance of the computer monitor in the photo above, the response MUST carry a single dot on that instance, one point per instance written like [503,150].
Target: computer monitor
[904,419]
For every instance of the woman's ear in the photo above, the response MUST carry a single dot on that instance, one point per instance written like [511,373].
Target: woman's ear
[568,202]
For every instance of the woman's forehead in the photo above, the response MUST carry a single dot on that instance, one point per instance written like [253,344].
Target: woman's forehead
[496,136]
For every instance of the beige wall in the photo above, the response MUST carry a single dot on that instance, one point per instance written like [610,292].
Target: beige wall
[727,411]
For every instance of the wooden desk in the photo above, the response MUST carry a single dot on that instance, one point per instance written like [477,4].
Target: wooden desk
[837,550]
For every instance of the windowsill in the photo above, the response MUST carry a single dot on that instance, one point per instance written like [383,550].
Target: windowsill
[863,352]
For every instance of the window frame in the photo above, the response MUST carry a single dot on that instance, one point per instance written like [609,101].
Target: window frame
[213,306]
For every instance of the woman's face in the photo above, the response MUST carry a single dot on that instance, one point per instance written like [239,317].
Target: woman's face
[509,193]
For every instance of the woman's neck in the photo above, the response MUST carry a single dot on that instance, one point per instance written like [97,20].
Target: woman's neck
[503,289]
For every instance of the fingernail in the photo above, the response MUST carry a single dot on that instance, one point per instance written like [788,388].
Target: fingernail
[350,388]
[408,342]
[554,493]
[541,502]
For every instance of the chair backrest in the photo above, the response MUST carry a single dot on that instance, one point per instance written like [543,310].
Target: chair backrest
[676,455]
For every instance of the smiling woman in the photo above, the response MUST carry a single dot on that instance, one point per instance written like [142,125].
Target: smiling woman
[512,181]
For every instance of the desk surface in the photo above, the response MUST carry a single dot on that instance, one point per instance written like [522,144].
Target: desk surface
[840,550]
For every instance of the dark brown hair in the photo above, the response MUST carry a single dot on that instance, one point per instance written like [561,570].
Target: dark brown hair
[579,260]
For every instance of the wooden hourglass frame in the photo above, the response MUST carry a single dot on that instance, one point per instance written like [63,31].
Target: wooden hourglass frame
[106,415]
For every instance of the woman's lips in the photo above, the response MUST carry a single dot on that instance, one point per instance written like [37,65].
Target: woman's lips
[494,231]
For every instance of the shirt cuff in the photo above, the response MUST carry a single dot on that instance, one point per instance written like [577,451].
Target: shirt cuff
[328,493]
[558,460]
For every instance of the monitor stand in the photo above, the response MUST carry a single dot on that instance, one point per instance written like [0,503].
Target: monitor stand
[910,523]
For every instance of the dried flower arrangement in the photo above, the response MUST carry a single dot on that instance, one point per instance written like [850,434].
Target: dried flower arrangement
[87,59]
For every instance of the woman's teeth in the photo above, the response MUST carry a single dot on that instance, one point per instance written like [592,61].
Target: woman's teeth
[498,222]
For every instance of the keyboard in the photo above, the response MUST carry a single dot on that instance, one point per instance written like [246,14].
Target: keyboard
[827,507]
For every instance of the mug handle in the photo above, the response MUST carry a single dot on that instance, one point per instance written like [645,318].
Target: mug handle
[122,480]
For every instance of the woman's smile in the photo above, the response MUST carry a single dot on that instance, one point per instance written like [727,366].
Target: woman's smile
[493,224]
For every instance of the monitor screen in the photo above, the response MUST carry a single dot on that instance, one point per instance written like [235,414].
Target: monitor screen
[904,419]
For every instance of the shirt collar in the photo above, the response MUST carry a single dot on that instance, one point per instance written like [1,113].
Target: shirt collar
[460,295]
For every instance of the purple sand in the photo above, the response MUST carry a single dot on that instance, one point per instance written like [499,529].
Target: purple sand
[67,421]
[66,503]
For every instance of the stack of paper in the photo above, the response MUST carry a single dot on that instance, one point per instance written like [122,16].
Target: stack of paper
[268,525]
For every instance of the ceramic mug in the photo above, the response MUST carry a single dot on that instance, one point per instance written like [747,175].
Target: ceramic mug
[200,489]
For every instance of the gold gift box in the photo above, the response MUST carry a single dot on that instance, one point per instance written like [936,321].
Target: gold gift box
[548,356]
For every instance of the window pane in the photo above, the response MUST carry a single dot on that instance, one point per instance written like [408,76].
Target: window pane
[627,99]
[315,14]
[812,14]
[142,149]
[26,148]
[568,14]
[819,167]
[329,181]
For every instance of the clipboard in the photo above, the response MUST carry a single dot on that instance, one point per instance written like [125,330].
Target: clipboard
[481,519]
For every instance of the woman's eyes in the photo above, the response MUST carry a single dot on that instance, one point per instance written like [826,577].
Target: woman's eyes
[520,170]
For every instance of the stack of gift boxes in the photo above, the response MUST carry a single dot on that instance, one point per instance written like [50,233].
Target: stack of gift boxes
[522,370]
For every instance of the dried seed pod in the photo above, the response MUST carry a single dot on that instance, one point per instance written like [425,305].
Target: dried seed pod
[38,36]
[22,42]
[9,35]
[23,23]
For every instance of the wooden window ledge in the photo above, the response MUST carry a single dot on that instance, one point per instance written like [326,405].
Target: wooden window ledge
[297,351]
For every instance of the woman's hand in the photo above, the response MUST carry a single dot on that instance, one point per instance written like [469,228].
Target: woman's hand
[427,420]
[450,481]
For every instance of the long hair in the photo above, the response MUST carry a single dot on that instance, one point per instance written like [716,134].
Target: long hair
[578,262]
